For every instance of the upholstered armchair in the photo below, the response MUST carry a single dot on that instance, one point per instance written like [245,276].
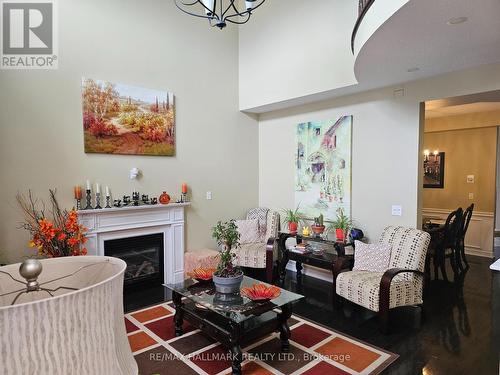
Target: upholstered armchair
[264,252]
[400,285]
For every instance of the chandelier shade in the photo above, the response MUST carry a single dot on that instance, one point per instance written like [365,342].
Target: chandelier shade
[220,12]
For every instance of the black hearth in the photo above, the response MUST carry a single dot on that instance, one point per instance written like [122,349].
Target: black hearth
[144,258]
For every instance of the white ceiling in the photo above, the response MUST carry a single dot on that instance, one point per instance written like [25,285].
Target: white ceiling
[418,36]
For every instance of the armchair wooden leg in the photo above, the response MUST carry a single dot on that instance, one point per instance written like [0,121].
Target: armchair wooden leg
[383,318]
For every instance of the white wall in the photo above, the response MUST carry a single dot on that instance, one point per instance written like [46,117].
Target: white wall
[296,49]
[386,151]
[147,44]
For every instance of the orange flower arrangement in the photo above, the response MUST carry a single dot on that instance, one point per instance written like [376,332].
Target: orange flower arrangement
[59,236]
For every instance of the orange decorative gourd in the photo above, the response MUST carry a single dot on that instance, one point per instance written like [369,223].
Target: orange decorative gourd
[164,198]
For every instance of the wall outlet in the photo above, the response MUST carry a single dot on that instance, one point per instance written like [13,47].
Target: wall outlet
[471,179]
[209,195]
[397,210]
[471,196]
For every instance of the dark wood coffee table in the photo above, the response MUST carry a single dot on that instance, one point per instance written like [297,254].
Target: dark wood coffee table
[232,319]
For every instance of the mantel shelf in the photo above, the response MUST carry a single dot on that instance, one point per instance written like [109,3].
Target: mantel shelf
[158,206]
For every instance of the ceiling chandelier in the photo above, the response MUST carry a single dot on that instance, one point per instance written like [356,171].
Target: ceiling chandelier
[220,12]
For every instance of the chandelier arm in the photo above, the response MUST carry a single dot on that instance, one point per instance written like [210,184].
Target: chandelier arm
[240,22]
[230,5]
[247,12]
[214,15]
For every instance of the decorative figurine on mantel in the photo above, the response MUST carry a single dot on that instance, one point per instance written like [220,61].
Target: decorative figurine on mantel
[164,198]
[117,203]
[126,200]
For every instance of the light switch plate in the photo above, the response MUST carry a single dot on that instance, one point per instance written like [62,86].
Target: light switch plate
[471,179]
[209,195]
[397,210]
[471,196]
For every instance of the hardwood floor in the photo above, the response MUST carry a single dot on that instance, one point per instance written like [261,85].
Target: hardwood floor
[460,333]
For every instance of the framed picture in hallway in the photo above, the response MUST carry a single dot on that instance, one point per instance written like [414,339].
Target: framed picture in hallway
[122,119]
[434,170]
[323,167]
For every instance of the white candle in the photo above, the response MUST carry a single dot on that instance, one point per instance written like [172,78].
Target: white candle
[88,185]
[97,188]
[107,191]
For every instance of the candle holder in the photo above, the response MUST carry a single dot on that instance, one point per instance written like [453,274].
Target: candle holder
[78,204]
[98,201]
[184,198]
[108,201]
[89,199]
[135,198]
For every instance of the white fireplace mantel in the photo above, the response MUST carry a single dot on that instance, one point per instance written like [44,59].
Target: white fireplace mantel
[131,221]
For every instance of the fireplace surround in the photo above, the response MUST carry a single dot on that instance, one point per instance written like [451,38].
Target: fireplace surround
[111,229]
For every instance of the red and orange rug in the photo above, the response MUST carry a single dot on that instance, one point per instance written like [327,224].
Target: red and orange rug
[314,349]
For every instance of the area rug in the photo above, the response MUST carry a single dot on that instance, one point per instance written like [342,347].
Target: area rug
[314,349]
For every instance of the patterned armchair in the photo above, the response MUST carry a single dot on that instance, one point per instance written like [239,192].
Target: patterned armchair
[261,254]
[400,285]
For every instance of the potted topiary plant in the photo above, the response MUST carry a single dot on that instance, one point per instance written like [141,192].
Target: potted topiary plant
[227,278]
[318,227]
[342,225]
[292,218]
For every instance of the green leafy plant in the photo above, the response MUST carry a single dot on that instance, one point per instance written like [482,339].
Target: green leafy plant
[342,221]
[292,216]
[227,237]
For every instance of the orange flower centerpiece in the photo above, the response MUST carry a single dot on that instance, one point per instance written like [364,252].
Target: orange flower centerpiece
[58,236]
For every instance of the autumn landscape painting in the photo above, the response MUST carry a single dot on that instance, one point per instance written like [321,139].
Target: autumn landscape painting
[122,119]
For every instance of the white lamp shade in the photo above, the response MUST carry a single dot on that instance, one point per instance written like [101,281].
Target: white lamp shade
[208,4]
[78,332]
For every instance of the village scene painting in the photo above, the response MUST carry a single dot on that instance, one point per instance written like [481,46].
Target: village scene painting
[122,119]
[323,168]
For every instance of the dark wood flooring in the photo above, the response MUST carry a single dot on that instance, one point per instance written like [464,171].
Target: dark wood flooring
[460,333]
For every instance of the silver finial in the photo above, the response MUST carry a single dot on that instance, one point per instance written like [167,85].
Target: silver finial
[30,269]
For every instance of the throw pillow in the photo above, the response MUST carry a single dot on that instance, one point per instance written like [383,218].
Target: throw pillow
[371,257]
[249,231]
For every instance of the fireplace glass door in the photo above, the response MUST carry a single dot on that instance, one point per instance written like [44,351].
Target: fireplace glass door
[144,258]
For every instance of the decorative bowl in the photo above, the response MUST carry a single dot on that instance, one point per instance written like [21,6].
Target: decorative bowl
[202,274]
[261,292]
[318,229]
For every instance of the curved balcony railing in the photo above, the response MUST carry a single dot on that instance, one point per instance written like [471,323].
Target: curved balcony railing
[363,7]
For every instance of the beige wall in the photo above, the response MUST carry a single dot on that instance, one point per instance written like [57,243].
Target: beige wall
[148,44]
[386,148]
[467,152]
[296,48]
[465,121]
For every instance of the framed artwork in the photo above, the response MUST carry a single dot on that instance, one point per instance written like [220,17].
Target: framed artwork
[323,167]
[122,119]
[434,170]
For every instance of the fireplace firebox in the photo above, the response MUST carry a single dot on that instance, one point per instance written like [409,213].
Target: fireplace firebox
[144,258]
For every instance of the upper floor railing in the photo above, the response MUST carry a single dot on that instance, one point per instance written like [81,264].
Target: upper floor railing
[363,7]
